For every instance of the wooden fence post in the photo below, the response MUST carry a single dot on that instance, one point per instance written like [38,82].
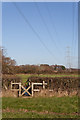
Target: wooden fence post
[43,84]
[11,85]
[32,89]
[19,89]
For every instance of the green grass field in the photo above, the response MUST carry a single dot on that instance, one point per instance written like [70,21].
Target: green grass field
[53,107]
[26,76]
[40,107]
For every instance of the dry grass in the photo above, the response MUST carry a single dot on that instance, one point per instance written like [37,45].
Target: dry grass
[9,93]
[47,93]
[41,93]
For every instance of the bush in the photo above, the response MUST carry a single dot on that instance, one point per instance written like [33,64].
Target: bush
[6,80]
[58,83]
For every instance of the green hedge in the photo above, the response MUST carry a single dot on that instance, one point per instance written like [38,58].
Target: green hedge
[6,80]
[56,83]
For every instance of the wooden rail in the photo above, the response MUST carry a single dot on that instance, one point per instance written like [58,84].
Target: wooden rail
[33,90]
[20,87]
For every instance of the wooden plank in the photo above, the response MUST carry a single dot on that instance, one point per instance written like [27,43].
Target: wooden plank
[28,87]
[23,93]
[43,84]
[11,85]
[19,89]
[37,83]
[25,90]
[32,89]
[22,87]
[28,93]
[36,90]
[5,87]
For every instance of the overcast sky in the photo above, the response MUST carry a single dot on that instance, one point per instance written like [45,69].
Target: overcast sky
[39,33]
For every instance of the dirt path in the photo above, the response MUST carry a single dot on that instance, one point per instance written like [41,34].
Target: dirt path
[34,111]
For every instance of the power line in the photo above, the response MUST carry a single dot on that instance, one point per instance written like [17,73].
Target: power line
[74,40]
[50,16]
[51,37]
[75,25]
[72,26]
[34,31]
[68,57]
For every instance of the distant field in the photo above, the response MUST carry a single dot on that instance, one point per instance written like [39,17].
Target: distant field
[53,107]
[26,76]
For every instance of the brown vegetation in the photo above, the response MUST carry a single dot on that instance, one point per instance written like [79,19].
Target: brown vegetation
[9,93]
[60,86]
[6,80]
[9,67]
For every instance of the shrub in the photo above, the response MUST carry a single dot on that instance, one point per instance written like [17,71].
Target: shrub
[59,83]
[6,80]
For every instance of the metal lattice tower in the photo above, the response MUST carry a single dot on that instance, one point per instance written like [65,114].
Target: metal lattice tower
[68,57]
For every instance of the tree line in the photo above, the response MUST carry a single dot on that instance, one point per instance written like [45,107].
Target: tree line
[9,66]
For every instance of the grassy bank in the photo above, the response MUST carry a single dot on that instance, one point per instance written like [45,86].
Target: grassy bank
[54,107]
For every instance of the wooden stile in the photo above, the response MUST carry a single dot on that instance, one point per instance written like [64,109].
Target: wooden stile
[26,90]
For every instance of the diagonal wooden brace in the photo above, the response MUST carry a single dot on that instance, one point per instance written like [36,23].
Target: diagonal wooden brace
[25,90]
